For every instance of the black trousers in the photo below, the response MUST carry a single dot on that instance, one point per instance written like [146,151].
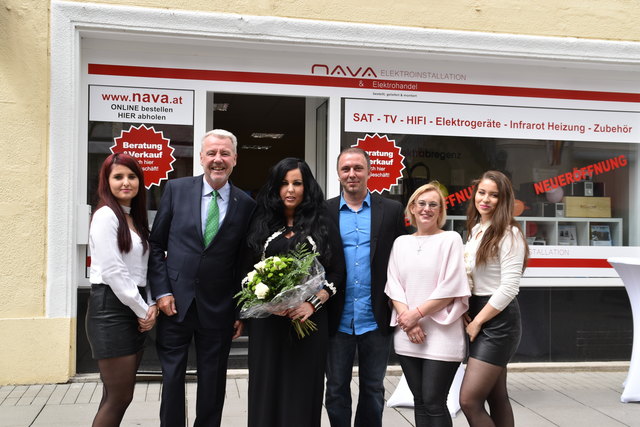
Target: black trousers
[212,351]
[429,381]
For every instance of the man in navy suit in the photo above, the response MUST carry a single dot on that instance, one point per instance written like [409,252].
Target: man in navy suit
[369,224]
[194,282]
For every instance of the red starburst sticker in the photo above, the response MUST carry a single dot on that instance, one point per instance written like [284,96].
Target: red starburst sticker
[150,148]
[386,161]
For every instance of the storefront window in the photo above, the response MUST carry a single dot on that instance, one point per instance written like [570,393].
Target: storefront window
[101,139]
[569,193]
[153,125]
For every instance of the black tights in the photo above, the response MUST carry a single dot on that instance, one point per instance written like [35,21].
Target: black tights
[486,382]
[429,381]
[118,375]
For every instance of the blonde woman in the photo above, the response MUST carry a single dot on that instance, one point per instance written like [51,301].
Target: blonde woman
[427,284]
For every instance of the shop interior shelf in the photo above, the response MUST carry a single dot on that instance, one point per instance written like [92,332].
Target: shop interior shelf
[559,230]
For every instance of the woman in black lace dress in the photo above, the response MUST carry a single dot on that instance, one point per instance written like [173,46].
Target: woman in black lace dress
[286,373]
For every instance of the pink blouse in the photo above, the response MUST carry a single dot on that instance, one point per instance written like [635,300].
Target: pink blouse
[430,267]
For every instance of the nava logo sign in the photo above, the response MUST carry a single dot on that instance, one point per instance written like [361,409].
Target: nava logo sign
[339,70]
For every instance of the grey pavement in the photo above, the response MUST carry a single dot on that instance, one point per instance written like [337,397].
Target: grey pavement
[569,394]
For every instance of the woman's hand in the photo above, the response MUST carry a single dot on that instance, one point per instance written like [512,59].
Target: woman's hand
[283,313]
[473,329]
[466,319]
[238,327]
[474,326]
[408,319]
[416,335]
[323,295]
[149,321]
[301,312]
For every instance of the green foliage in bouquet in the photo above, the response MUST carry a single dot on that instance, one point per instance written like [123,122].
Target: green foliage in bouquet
[272,278]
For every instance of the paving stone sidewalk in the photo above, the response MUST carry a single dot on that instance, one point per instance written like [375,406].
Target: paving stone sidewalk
[541,397]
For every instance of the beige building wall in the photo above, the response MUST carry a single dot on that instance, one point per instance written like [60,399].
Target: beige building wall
[594,19]
[39,348]
[35,348]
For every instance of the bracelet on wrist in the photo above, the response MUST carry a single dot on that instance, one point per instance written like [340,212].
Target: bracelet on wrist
[315,302]
[421,315]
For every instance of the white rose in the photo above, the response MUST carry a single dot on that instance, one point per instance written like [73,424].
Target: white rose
[259,265]
[276,259]
[261,290]
[250,275]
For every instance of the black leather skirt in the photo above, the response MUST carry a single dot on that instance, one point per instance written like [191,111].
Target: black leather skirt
[499,338]
[112,327]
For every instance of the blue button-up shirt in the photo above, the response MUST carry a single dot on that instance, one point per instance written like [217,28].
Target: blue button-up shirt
[355,229]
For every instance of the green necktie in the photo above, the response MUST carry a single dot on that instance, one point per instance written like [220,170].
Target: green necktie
[213,215]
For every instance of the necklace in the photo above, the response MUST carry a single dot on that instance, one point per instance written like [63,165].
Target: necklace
[420,242]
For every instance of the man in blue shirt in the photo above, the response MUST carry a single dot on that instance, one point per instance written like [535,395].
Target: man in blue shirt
[369,224]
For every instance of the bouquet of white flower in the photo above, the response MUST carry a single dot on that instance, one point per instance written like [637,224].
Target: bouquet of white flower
[279,283]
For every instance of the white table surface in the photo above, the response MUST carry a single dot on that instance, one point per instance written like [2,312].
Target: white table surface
[629,271]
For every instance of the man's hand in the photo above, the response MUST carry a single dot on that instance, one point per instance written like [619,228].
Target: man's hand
[238,327]
[167,305]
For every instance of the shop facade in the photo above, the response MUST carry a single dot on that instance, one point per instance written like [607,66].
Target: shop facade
[566,132]
[562,119]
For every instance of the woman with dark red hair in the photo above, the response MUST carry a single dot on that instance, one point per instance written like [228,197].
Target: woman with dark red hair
[120,310]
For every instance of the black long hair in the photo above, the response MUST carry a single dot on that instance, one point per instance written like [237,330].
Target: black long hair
[138,203]
[308,218]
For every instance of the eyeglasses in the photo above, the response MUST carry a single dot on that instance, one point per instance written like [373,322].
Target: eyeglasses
[432,206]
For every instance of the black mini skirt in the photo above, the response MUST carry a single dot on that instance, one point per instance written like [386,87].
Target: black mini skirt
[112,327]
[499,338]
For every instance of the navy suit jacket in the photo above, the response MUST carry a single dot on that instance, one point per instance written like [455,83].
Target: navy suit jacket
[190,271]
[387,223]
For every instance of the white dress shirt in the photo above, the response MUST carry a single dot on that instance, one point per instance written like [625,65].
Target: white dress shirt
[123,272]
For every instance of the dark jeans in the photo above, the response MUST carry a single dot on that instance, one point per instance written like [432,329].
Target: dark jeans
[429,382]
[373,354]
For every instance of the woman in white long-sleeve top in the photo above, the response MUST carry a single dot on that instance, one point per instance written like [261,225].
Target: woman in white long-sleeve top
[120,310]
[427,285]
[496,255]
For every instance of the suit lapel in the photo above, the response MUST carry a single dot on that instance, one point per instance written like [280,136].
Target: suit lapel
[196,205]
[232,206]
[333,205]
[377,215]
